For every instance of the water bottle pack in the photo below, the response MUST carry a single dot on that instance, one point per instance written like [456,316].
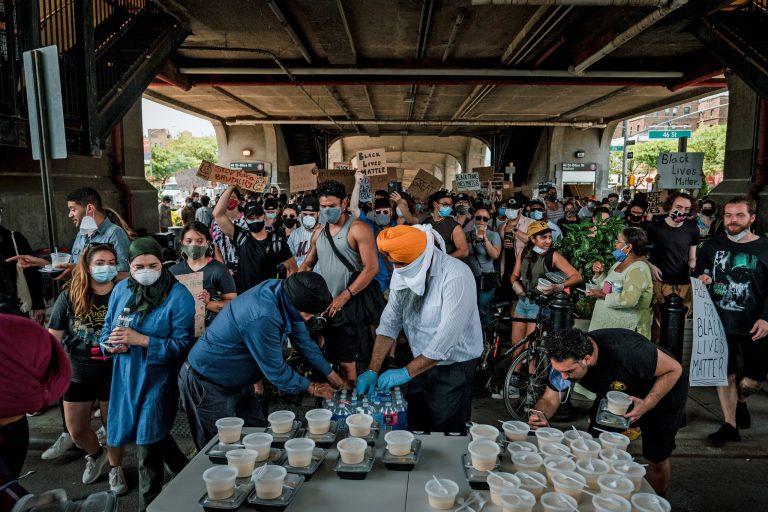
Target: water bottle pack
[388,408]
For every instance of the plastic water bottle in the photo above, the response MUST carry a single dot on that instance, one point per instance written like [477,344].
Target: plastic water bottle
[377,412]
[124,319]
[402,415]
[390,416]
[342,412]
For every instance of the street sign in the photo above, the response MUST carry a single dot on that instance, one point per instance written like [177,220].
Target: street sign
[668,134]
[617,148]
[255,167]
[631,142]
[630,154]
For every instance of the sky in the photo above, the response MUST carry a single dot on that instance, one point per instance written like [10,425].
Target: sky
[155,115]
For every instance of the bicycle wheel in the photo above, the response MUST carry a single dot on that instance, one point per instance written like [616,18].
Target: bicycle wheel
[521,396]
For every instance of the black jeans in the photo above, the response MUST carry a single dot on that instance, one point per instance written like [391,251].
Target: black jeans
[14,442]
[440,399]
[152,461]
[204,402]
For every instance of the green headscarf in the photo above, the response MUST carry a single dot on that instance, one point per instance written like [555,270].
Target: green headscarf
[147,298]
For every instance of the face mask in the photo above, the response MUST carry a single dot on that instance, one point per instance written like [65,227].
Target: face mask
[399,212]
[371,216]
[537,215]
[570,214]
[512,214]
[590,204]
[539,250]
[619,255]
[255,225]
[634,219]
[232,203]
[272,216]
[190,205]
[444,211]
[308,221]
[194,252]
[418,207]
[382,219]
[289,223]
[707,212]
[462,210]
[552,198]
[88,225]
[739,236]
[146,276]
[502,212]
[330,215]
[677,216]
[103,273]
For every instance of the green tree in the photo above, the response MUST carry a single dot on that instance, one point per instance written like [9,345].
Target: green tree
[181,153]
[711,142]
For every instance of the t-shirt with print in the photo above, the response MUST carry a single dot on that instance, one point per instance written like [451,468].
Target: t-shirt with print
[258,259]
[299,243]
[216,280]
[81,336]
[739,274]
[670,249]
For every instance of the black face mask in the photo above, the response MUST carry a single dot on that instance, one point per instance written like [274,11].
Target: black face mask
[634,219]
[707,212]
[552,198]
[289,223]
[256,226]
[570,214]
[462,210]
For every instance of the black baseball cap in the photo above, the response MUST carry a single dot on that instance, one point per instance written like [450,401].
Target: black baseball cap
[461,197]
[253,209]
[270,203]
[310,204]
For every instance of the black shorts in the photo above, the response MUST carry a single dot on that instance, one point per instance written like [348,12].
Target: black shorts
[754,354]
[659,425]
[96,388]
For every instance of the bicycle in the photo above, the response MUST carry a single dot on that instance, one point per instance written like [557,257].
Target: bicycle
[491,354]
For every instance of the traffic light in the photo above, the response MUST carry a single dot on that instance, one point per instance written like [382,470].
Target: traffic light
[631,180]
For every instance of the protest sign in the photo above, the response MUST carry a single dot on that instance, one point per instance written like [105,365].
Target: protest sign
[486,173]
[709,353]
[194,283]
[344,176]
[424,185]
[498,181]
[467,181]
[372,162]
[381,181]
[656,201]
[408,175]
[342,165]
[680,170]
[245,180]
[302,177]
[366,195]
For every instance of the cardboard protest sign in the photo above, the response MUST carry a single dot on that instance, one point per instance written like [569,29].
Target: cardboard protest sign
[656,201]
[194,283]
[680,170]
[245,180]
[408,175]
[486,173]
[342,165]
[372,162]
[366,195]
[424,185]
[709,353]
[498,181]
[508,192]
[381,181]
[466,182]
[344,176]
[302,177]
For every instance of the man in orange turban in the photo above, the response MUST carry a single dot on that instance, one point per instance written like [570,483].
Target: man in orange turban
[402,244]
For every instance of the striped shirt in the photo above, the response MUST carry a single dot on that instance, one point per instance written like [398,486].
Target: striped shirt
[447,327]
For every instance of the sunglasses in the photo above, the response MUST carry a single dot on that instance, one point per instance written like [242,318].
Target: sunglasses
[537,209]
[385,212]
[288,217]
[480,218]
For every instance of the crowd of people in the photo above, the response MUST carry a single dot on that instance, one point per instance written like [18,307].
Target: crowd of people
[381,278]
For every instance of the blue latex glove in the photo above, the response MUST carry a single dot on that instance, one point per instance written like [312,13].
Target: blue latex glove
[366,383]
[393,378]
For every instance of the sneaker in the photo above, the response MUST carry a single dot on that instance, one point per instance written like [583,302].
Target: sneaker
[59,448]
[95,467]
[101,434]
[727,433]
[117,481]
[743,419]
[513,392]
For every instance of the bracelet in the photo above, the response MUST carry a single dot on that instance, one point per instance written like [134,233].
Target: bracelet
[350,293]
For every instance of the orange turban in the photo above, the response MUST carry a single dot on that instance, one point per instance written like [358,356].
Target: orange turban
[402,243]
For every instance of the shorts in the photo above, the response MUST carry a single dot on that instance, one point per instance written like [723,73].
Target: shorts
[754,354]
[525,309]
[94,389]
[659,426]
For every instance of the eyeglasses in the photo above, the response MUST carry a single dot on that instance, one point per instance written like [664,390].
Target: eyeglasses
[288,217]
[480,218]
[445,204]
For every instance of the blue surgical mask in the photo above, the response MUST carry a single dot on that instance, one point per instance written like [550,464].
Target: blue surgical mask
[383,219]
[445,211]
[103,273]
[272,215]
[537,215]
[330,215]
[557,381]
[512,213]
[619,255]
[418,207]
[502,211]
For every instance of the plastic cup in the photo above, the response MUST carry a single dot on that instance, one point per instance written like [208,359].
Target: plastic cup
[281,421]
[220,482]
[299,451]
[591,470]
[632,470]
[318,421]
[399,442]
[584,449]
[516,430]
[521,446]
[614,440]
[517,500]
[618,402]
[616,484]
[610,455]
[572,435]
[555,449]
[488,432]
[441,497]
[549,435]
[59,258]
[359,424]
[570,483]
[230,429]
[269,483]
[498,483]
[558,463]
[558,502]
[533,482]
[483,453]
[242,460]
[648,502]
[543,284]
[261,442]
[352,450]
[610,503]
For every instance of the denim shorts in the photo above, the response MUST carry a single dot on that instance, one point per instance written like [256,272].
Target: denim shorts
[526,309]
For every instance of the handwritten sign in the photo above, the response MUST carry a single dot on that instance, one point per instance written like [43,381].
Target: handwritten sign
[302,177]
[656,201]
[372,162]
[486,173]
[366,195]
[381,181]
[680,170]
[424,185]
[245,180]
[344,176]
[709,353]
[194,283]
[408,175]
[342,165]
[467,181]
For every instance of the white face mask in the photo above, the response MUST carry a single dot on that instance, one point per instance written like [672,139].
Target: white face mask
[146,276]
[539,250]
[308,221]
[512,214]
[399,211]
[88,225]
[739,236]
